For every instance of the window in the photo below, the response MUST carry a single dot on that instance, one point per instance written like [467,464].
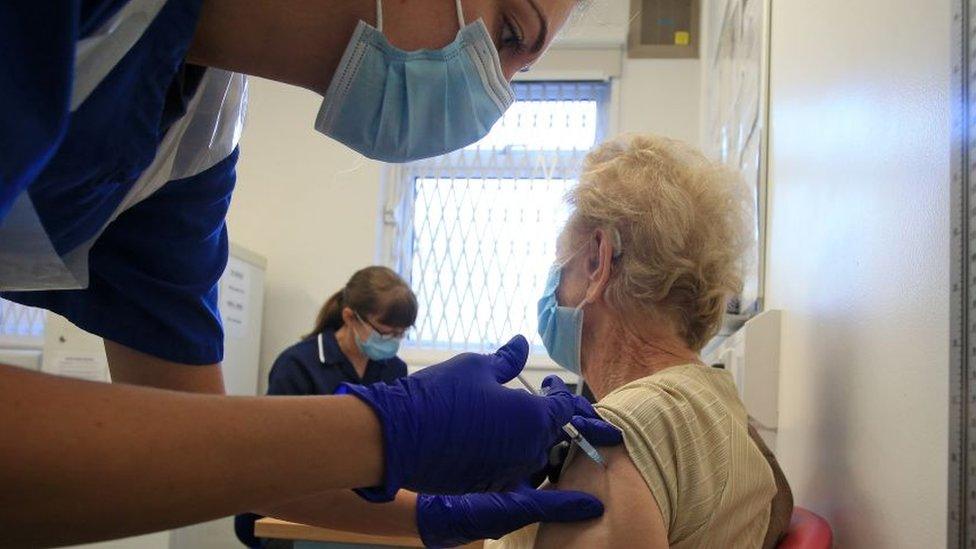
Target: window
[20,326]
[474,231]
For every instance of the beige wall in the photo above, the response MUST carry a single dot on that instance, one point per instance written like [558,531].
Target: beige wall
[660,96]
[858,260]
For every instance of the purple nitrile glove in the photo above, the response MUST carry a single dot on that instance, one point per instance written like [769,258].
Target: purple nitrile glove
[453,428]
[585,419]
[449,521]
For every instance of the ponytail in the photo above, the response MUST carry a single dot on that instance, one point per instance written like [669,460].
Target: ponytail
[330,315]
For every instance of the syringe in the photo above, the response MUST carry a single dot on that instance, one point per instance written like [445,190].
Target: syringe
[572,432]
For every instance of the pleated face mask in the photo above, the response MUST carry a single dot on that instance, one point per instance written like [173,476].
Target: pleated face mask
[397,106]
[561,328]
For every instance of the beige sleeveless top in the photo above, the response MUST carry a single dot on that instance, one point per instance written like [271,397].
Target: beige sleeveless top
[686,431]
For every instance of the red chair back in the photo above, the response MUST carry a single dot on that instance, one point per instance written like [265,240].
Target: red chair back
[807,531]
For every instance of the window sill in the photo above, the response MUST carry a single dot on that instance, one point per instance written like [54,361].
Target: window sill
[537,367]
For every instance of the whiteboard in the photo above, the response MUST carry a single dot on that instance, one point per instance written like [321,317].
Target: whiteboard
[735,56]
[241,304]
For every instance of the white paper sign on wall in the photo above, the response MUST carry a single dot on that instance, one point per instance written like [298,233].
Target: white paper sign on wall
[79,364]
[235,297]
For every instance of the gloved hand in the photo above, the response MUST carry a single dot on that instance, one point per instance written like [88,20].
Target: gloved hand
[586,420]
[453,428]
[448,521]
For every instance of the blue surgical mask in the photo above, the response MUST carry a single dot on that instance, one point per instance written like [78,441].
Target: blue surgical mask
[376,346]
[561,328]
[396,106]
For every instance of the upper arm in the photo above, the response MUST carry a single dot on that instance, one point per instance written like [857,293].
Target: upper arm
[130,366]
[631,518]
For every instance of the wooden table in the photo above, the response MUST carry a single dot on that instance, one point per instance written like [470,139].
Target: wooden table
[280,529]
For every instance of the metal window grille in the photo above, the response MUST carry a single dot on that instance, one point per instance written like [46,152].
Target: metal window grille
[474,231]
[21,326]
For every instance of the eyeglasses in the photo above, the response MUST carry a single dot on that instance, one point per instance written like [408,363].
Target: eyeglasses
[396,334]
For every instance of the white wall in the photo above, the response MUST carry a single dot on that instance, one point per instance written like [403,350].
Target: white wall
[661,96]
[305,203]
[858,260]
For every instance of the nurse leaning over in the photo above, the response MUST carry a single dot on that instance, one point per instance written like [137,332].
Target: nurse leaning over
[117,155]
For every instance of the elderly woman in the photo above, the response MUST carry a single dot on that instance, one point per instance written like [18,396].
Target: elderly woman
[646,263]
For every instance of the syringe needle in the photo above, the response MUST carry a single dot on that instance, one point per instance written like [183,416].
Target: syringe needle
[528,385]
[572,432]
[591,451]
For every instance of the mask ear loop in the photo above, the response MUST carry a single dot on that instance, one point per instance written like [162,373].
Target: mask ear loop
[355,333]
[618,247]
[460,13]
[369,326]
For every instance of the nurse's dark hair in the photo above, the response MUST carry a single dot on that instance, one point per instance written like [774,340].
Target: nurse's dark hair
[376,292]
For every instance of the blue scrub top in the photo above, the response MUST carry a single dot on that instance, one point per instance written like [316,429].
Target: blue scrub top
[153,272]
[299,370]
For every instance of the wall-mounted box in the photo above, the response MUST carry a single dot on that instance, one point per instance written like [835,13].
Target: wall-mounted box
[663,29]
[752,356]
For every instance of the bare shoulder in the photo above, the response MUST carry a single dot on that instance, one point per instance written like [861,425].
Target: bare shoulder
[631,518]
